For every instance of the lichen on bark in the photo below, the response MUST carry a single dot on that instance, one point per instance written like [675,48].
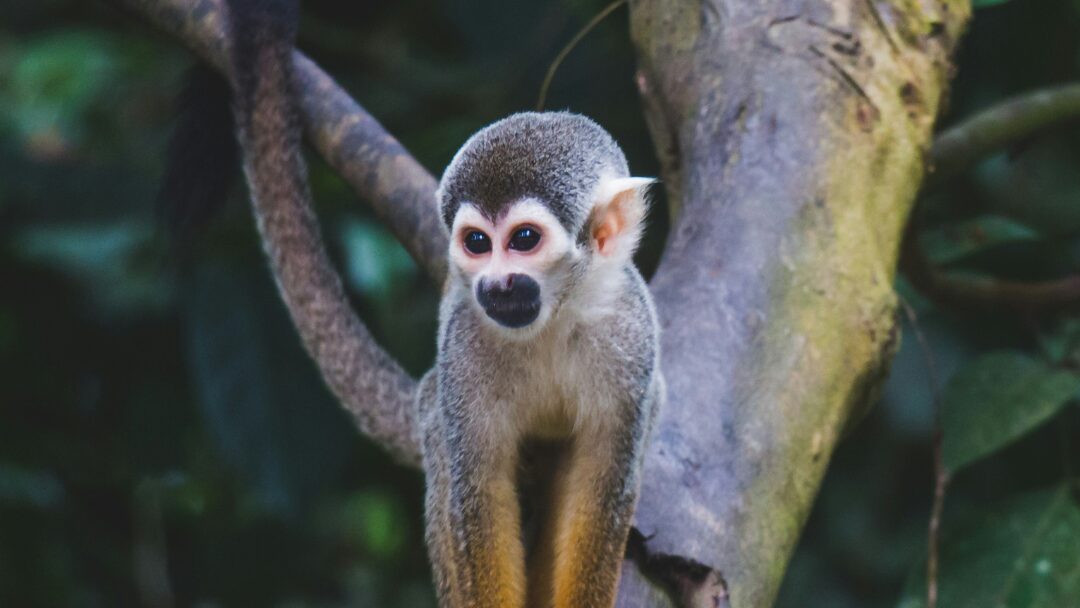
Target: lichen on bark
[794,135]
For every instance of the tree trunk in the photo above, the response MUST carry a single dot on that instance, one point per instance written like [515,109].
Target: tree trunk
[792,137]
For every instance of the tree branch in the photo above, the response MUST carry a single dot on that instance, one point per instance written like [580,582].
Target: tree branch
[363,377]
[956,150]
[941,475]
[987,132]
[967,292]
[793,136]
[373,162]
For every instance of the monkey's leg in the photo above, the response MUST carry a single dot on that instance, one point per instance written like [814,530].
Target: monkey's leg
[440,541]
[597,495]
[474,524]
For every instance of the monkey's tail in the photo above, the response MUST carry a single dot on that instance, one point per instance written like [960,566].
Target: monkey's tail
[362,376]
[203,154]
[203,158]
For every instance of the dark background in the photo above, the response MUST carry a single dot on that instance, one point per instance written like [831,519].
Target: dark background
[163,438]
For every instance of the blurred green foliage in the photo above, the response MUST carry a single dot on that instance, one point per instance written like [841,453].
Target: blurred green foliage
[164,439]
[1023,553]
[979,415]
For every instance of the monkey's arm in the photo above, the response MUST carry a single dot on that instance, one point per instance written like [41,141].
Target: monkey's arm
[438,525]
[473,515]
[595,498]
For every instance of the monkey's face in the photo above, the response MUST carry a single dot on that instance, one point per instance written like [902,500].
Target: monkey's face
[515,265]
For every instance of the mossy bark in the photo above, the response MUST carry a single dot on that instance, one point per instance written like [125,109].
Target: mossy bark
[792,136]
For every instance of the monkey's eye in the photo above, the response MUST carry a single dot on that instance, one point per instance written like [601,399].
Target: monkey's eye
[477,242]
[524,238]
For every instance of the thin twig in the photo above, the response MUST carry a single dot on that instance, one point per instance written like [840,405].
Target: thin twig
[984,292]
[149,552]
[941,475]
[569,47]
[941,482]
[989,131]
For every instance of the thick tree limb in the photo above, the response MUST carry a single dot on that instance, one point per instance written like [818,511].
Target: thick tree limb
[792,134]
[383,173]
[989,131]
[367,381]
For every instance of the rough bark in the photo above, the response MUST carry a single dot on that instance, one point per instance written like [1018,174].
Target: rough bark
[792,135]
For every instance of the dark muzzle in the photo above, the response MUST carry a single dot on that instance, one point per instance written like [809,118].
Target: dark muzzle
[513,301]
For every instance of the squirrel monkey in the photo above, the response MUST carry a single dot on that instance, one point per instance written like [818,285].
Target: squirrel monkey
[547,334]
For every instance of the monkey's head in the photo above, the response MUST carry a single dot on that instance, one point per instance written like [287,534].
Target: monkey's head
[539,206]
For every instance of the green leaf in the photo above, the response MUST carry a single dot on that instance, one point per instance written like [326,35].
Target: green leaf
[28,488]
[1023,554]
[944,244]
[986,3]
[907,393]
[995,400]
[261,396]
[58,78]
[1038,185]
[375,521]
[1024,261]
[1061,344]
[104,258]
[375,261]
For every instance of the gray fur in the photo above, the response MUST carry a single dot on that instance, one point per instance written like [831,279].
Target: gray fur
[592,386]
[556,157]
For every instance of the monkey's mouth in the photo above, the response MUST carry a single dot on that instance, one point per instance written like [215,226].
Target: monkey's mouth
[513,302]
[513,314]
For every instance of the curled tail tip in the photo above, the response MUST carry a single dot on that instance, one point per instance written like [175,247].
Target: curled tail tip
[248,15]
[203,158]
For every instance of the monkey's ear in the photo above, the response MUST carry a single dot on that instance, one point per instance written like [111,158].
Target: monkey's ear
[618,216]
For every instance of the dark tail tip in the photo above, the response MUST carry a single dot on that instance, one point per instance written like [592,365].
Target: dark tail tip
[253,22]
[203,158]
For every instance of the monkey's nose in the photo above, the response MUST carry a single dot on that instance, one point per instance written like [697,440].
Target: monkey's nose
[505,284]
[512,300]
